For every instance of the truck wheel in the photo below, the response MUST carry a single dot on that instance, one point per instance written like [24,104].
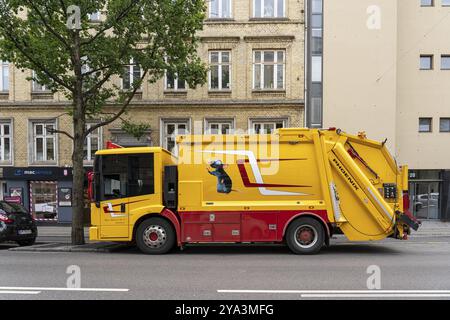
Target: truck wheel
[305,236]
[155,236]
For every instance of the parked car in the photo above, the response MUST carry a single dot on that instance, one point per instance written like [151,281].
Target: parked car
[16,224]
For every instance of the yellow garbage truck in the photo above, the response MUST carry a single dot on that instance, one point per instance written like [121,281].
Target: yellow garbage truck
[295,186]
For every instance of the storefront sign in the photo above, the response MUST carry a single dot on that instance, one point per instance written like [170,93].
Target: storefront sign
[65,197]
[16,199]
[16,193]
[37,173]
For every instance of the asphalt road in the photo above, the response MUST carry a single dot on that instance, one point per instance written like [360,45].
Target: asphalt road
[202,272]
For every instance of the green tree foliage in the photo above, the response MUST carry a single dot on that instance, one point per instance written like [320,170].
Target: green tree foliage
[79,57]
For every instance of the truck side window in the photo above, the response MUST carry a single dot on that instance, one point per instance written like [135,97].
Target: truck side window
[141,179]
[115,173]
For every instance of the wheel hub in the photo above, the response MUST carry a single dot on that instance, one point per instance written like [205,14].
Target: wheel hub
[155,236]
[306,236]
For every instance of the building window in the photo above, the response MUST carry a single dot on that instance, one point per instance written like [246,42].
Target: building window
[426,3]
[268,70]
[92,143]
[37,87]
[172,128]
[5,141]
[445,3]
[425,124]
[219,126]
[173,83]
[445,62]
[220,70]
[219,9]
[266,126]
[426,62]
[94,17]
[268,8]
[4,76]
[444,125]
[131,74]
[44,142]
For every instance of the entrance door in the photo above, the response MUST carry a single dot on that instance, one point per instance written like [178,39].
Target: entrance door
[425,199]
[114,207]
[43,200]
[2,190]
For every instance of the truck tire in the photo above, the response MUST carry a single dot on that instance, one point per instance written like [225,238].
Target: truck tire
[305,236]
[155,236]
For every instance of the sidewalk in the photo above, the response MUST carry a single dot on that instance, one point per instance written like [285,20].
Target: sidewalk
[57,238]
[430,228]
[58,231]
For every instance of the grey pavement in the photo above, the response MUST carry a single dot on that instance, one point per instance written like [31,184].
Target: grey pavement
[203,272]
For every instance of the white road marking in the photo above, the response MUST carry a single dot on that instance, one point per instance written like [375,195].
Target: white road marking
[385,295]
[352,293]
[66,289]
[19,292]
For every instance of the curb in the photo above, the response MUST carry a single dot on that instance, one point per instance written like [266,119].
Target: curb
[105,247]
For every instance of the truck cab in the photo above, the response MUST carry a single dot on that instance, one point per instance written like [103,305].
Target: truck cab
[127,185]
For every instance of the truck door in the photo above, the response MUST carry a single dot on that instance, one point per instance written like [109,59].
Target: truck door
[114,196]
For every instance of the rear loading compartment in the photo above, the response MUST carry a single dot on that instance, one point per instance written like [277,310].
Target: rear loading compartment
[368,187]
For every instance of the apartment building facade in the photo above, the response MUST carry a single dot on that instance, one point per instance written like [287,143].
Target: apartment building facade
[383,67]
[255,52]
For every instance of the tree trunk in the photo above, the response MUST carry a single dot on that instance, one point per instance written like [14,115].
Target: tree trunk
[78,184]
[79,123]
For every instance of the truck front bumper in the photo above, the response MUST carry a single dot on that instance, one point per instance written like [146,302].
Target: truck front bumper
[93,233]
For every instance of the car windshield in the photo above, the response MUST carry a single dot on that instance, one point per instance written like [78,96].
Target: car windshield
[12,207]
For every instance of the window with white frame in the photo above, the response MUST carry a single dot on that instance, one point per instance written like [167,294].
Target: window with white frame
[172,82]
[268,8]
[131,74]
[219,9]
[4,76]
[266,126]
[37,87]
[219,126]
[220,70]
[268,70]
[92,143]
[170,130]
[44,141]
[5,141]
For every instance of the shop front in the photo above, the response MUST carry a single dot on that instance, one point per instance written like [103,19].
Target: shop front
[429,192]
[45,191]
